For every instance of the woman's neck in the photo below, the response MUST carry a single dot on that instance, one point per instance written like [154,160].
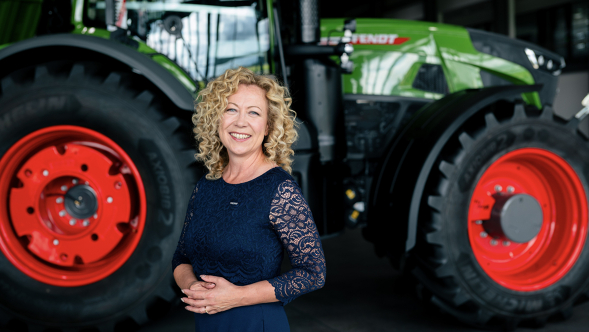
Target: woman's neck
[243,170]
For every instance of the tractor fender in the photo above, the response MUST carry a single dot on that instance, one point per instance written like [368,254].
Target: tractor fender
[139,62]
[397,190]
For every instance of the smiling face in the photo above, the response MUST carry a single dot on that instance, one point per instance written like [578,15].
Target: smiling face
[244,122]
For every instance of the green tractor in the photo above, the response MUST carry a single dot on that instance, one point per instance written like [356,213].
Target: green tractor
[438,141]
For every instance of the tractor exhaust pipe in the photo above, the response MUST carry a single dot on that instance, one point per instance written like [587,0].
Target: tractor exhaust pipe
[308,21]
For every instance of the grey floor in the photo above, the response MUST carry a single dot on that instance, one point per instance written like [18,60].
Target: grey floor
[364,294]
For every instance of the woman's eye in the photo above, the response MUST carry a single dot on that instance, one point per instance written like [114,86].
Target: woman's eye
[254,113]
[231,110]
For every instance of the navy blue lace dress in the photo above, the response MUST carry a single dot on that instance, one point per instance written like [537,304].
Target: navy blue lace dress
[238,232]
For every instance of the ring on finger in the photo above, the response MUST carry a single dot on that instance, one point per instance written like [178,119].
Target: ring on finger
[206,310]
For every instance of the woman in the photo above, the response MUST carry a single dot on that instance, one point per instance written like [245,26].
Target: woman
[245,211]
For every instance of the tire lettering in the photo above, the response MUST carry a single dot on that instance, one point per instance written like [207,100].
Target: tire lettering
[508,303]
[557,296]
[468,272]
[166,219]
[32,107]
[162,179]
[531,306]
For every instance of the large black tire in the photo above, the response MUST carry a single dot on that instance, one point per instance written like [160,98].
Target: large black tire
[128,110]
[448,250]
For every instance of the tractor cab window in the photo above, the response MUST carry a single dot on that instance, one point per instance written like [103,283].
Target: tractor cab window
[204,38]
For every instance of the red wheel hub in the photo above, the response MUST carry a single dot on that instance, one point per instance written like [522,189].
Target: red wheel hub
[73,206]
[547,179]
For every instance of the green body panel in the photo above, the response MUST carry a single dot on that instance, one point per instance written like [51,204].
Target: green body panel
[388,53]
[18,19]
[271,32]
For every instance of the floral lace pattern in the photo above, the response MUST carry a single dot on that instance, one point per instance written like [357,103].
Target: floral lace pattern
[292,220]
[239,231]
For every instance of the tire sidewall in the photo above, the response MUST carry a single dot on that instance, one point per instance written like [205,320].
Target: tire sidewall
[532,133]
[128,123]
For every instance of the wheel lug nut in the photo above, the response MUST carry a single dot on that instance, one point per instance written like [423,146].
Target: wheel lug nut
[109,199]
[55,242]
[479,222]
[498,188]
[86,222]
[62,213]
[506,243]
[72,222]
[95,216]
[59,200]
[493,242]
[45,172]
[510,189]
[63,188]
[75,181]
[483,234]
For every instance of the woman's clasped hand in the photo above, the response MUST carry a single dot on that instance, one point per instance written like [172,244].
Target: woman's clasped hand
[214,295]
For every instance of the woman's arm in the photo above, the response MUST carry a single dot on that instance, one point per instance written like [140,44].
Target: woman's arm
[183,272]
[293,222]
[185,278]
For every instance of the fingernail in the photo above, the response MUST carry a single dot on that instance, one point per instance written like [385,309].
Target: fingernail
[202,276]
[182,299]
[183,292]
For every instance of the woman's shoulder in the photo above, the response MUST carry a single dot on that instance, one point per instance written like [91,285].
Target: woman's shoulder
[203,183]
[282,181]
[279,175]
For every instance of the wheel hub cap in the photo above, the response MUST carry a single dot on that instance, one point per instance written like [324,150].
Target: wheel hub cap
[517,218]
[80,202]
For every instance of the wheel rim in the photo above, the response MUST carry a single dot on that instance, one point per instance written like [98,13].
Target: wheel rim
[547,257]
[73,206]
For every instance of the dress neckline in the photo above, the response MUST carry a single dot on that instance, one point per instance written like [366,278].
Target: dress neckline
[254,179]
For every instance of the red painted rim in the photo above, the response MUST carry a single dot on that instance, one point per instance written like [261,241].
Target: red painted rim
[37,233]
[549,256]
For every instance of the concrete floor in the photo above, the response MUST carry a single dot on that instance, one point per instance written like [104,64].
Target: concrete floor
[364,294]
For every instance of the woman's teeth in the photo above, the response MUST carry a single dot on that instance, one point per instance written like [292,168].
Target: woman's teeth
[240,136]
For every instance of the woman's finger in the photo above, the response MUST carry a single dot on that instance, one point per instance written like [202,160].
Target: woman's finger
[196,285]
[193,303]
[213,279]
[195,294]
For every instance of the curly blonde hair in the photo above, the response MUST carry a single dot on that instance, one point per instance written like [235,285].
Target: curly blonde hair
[210,107]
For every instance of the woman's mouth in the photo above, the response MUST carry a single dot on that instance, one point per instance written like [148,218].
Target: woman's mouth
[240,136]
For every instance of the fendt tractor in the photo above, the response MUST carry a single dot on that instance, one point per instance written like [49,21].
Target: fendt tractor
[438,141]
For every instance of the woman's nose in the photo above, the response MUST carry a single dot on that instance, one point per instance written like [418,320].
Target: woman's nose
[241,120]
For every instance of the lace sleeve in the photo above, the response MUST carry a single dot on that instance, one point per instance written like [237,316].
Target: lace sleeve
[180,255]
[292,221]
